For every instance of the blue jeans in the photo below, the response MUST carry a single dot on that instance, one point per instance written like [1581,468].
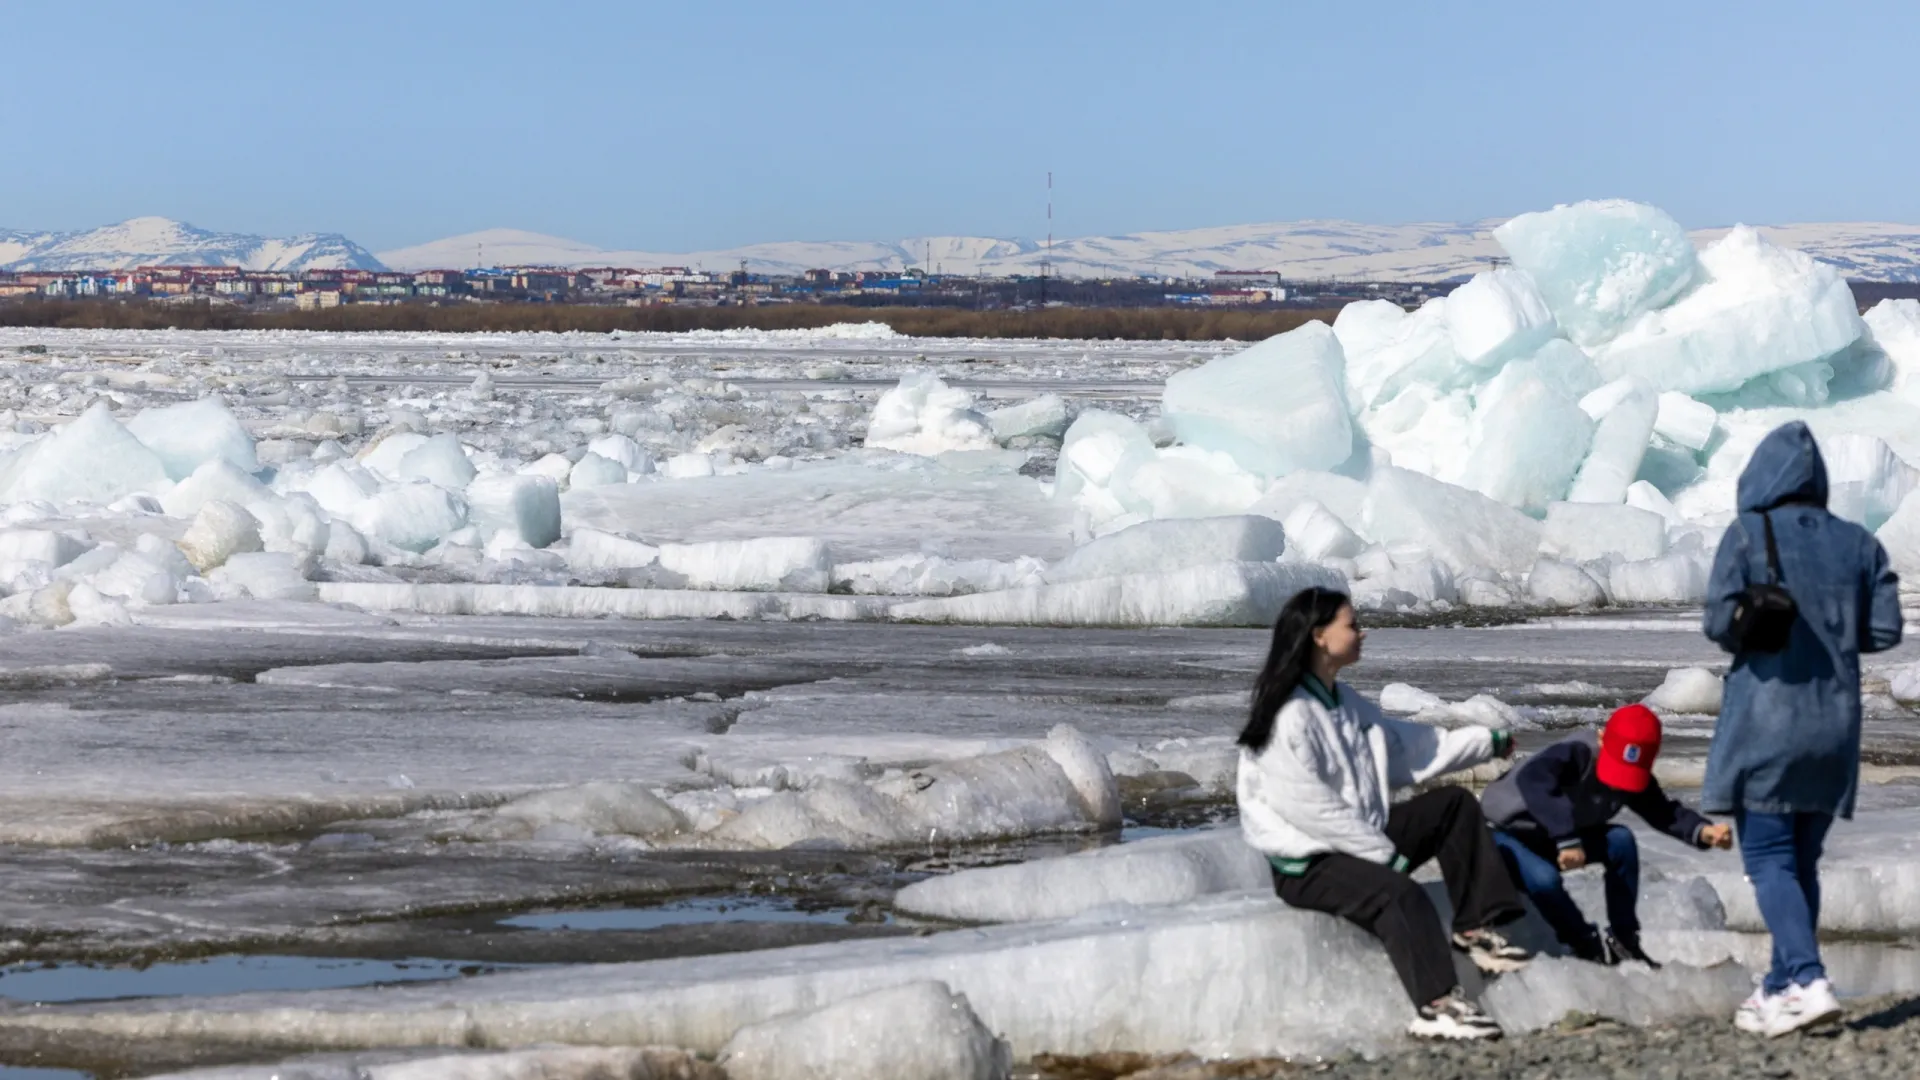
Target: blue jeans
[1782,857]
[1535,870]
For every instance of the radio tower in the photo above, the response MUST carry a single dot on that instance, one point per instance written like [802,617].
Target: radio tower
[1046,255]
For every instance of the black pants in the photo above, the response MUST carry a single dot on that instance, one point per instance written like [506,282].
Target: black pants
[1445,824]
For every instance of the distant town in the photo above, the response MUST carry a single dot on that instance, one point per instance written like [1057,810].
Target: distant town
[318,289]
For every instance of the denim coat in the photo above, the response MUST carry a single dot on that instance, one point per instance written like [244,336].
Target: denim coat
[1788,740]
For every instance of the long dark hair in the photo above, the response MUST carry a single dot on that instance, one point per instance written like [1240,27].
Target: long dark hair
[1310,609]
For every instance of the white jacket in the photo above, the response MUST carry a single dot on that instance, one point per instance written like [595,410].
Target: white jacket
[1324,782]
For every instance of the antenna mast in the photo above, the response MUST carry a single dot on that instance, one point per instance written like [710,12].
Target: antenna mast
[1046,257]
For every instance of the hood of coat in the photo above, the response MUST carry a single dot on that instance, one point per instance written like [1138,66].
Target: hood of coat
[1785,467]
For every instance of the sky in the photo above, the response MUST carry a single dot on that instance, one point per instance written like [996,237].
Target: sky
[683,127]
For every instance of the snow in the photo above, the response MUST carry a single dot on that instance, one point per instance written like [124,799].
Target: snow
[917,1029]
[1600,264]
[189,435]
[1275,407]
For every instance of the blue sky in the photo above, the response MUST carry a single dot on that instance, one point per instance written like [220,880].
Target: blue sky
[677,126]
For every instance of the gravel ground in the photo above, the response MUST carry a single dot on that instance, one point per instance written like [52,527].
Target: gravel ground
[1880,1038]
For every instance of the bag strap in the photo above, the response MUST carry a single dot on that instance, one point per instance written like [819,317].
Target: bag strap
[1773,549]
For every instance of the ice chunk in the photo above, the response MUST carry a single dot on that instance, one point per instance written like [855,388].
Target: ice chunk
[920,574]
[527,507]
[90,459]
[593,549]
[384,456]
[1218,594]
[768,564]
[1387,354]
[1759,309]
[219,480]
[625,451]
[1586,532]
[1189,482]
[261,575]
[411,517]
[1044,416]
[1532,439]
[439,460]
[342,487]
[687,466]
[295,525]
[601,808]
[220,530]
[1867,480]
[1687,690]
[1626,411]
[1163,870]
[55,549]
[1313,533]
[1555,584]
[1498,316]
[1408,700]
[1900,535]
[1644,496]
[1087,770]
[1158,546]
[1416,585]
[1895,326]
[1100,449]
[345,545]
[1343,496]
[1601,264]
[91,607]
[1675,578]
[555,467]
[1687,422]
[186,436]
[923,415]
[918,1029]
[1275,407]
[1423,429]
[1463,529]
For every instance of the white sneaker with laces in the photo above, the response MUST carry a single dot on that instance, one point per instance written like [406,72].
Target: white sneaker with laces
[1453,1017]
[1754,1013]
[1802,1007]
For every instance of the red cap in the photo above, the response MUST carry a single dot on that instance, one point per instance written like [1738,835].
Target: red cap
[1628,746]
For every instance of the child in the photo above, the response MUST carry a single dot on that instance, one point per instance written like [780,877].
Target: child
[1554,812]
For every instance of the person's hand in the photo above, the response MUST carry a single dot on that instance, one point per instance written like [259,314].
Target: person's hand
[1572,858]
[1717,836]
[1502,743]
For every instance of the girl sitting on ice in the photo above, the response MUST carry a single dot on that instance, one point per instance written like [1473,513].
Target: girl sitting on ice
[1318,763]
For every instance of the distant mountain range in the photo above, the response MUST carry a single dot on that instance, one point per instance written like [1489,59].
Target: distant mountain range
[1302,250]
[158,241]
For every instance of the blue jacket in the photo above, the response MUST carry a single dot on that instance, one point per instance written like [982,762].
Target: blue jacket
[1788,740]
[1554,800]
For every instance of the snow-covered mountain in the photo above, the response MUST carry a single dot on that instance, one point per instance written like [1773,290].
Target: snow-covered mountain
[158,241]
[1303,250]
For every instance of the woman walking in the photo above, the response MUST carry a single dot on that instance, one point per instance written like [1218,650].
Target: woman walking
[1318,763]
[1785,758]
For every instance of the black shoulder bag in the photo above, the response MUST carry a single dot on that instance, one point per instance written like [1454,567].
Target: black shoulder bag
[1763,616]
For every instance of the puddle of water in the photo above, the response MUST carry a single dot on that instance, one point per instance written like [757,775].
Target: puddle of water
[688,913]
[230,974]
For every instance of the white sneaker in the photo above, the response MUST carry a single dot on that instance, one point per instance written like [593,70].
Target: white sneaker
[1802,1007]
[1754,1013]
[1453,1017]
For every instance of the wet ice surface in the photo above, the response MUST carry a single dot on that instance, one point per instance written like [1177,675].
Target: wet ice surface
[250,781]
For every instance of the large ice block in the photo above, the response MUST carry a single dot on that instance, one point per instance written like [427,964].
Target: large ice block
[523,507]
[1463,529]
[1532,438]
[919,1029]
[1866,480]
[440,460]
[1188,482]
[188,435]
[1218,594]
[1498,316]
[1586,532]
[1158,546]
[217,479]
[1100,450]
[1626,411]
[1602,263]
[766,564]
[1314,533]
[1275,407]
[1044,417]
[1387,349]
[1895,327]
[1760,309]
[412,517]
[89,459]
